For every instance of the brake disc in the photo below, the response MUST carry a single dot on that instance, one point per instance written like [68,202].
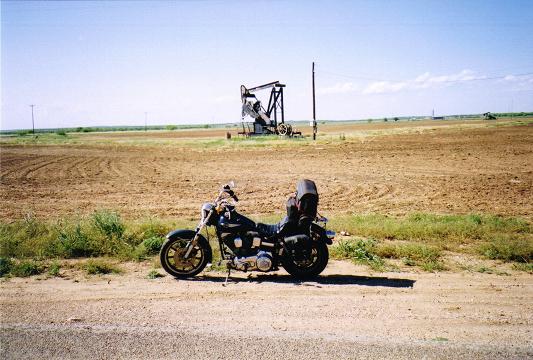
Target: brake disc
[180,261]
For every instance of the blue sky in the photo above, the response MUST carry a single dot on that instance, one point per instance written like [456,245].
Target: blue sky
[107,63]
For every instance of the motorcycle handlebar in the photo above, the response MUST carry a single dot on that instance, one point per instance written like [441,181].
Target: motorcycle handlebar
[228,191]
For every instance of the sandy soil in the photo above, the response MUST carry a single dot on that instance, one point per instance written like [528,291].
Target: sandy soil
[345,314]
[443,167]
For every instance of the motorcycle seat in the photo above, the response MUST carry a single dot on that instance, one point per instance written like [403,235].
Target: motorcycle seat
[267,229]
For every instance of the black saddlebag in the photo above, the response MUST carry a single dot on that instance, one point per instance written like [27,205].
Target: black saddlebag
[298,246]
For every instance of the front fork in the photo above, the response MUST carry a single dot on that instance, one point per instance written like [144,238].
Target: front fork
[191,244]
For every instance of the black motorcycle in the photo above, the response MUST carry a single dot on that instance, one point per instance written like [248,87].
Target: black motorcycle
[297,243]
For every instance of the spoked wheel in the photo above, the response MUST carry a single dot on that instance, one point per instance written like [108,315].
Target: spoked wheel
[311,266]
[282,129]
[172,256]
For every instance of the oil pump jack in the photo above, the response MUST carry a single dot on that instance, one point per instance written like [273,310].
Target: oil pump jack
[265,119]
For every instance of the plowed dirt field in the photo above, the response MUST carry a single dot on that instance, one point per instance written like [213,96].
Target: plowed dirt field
[441,167]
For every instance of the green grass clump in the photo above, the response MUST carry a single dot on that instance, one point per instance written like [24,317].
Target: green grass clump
[413,254]
[103,233]
[99,267]
[359,251]
[54,269]
[508,249]
[527,267]
[26,268]
[449,232]
[154,274]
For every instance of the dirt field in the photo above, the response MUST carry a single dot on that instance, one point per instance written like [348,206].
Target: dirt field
[393,168]
[346,314]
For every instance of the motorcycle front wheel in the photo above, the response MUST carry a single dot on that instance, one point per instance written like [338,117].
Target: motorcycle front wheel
[172,256]
[311,267]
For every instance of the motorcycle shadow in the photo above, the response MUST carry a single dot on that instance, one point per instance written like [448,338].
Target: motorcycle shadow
[332,279]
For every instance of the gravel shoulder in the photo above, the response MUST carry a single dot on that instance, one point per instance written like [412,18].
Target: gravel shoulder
[347,313]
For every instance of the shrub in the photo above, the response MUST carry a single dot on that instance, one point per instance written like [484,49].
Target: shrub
[171,127]
[25,238]
[99,266]
[527,267]
[61,132]
[26,268]
[54,269]
[5,266]
[109,224]
[152,228]
[73,242]
[508,249]
[153,244]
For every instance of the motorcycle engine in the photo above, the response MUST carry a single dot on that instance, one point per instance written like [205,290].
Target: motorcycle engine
[248,253]
[262,262]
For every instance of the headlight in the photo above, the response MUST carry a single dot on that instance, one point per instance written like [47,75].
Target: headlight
[206,208]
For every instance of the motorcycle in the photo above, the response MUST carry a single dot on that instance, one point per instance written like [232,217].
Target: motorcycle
[298,243]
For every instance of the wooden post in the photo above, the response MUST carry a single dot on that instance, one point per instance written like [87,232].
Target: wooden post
[314,104]
[32,121]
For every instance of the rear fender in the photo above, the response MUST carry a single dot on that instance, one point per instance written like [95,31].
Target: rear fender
[189,234]
[317,229]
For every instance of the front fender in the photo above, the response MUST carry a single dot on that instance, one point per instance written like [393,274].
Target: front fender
[189,234]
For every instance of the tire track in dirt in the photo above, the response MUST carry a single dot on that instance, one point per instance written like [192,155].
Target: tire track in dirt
[23,170]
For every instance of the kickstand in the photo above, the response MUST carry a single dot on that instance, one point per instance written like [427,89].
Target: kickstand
[227,277]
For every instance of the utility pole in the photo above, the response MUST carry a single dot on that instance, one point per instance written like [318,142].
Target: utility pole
[314,104]
[145,121]
[32,120]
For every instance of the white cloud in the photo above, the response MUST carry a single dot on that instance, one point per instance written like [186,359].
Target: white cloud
[380,87]
[519,78]
[423,81]
[518,82]
[509,78]
[338,89]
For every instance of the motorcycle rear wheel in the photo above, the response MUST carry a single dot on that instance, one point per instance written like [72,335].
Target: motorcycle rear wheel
[310,268]
[173,251]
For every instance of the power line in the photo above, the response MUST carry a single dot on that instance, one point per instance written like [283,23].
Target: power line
[482,78]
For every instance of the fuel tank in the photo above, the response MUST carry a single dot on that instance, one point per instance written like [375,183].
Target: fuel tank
[234,222]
